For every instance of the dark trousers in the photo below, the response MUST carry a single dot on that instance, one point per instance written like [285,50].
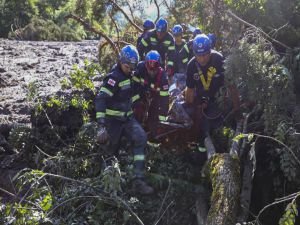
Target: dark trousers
[205,120]
[135,134]
[153,113]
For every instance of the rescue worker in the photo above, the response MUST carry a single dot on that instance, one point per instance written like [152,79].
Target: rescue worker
[154,92]
[147,25]
[115,116]
[205,77]
[186,54]
[163,42]
[179,43]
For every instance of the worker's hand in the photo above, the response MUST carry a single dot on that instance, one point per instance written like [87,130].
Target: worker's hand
[102,134]
[170,72]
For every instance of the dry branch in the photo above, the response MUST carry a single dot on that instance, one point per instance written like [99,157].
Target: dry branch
[117,29]
[94,30]
[158,11]
[116,6]
[258,29]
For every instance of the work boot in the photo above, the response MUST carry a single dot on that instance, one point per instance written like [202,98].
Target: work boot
[141,187]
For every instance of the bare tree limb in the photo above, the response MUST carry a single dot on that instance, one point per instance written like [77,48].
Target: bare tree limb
[281,143]
[130,10]
[276,30]
[7,192]
[290,197]
[116,6]
[117,29]
[258,29]
[90,28]
[158,11]
[102,45]
[162,204]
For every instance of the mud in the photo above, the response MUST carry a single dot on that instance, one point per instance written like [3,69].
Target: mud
[44,63]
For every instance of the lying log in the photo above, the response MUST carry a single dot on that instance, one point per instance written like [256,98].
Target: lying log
[224,173]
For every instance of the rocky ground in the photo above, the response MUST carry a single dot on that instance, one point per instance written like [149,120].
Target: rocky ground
[46,63]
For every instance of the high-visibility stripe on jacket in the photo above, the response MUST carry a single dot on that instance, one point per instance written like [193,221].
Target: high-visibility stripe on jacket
[116,95]
[165,47]
[157,86]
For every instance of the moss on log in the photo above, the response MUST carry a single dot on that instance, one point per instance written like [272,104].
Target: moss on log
[224,173]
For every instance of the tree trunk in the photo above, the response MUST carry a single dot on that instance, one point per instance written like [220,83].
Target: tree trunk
[224,173]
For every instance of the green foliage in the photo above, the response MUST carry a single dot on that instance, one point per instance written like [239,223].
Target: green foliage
[255,69]
[82,193]
[111,178]
[241,136]
[16,12]
[106,57]
[32,208]
[32,90]
[290,214]
[19,137]
[242,6]
[40,30]
[81,78]
[262,80]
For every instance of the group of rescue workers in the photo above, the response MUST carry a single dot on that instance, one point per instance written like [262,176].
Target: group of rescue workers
[135,94]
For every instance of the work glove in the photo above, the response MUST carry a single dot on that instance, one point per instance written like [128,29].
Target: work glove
[102,134]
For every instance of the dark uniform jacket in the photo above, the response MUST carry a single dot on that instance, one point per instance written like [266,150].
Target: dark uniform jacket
[179,66]
[207,80]
[165,47]
[116,96]
[157,87]
[143,35]
[186,53]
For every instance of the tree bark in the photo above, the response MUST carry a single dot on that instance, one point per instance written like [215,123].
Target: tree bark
[224,173]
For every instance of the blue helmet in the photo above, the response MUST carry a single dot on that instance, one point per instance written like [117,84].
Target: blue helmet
[129,55]
[161,25]
[196,32]
[213,39]
[177,30]
[201,45]
[148,24]
[152,60]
